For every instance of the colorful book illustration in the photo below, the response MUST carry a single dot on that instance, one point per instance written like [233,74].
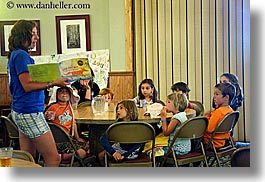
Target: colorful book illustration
[74,69]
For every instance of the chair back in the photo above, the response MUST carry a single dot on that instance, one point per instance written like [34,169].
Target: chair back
[11,126]
[199,107]
[22,154]
[84,104]
[227,123]
[241,157]
[130,132]
[193,128]
[59,134]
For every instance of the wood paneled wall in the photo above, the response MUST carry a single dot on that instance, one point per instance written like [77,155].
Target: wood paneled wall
[5,98]
[122,85]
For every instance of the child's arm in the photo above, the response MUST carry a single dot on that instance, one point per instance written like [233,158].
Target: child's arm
[167,128]
[76,135]
[214,118]
[107,146]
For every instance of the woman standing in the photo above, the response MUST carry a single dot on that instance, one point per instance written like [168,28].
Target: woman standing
[27,96]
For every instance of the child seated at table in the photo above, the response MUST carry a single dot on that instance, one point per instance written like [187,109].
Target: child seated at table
[223,94]
[86,89]
[176,103]
[60,112]
[126,110]
[108,98]
[147,93]
[181,87]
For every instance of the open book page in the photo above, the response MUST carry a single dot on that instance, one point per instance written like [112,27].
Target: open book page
[74,69]
[44,72]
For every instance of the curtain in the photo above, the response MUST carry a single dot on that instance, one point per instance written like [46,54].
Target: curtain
[194,41]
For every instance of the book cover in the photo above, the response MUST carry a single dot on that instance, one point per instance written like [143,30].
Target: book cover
[74,69]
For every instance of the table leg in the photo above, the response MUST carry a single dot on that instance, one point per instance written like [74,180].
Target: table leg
[95,132]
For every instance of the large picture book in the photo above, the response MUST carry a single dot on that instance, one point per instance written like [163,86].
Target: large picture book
[74,69]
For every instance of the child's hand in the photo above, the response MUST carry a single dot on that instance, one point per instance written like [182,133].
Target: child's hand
[61,82]
[163,113]
[117,156]
[49,115]
[208,113]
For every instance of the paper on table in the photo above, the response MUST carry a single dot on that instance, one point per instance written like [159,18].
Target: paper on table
[154,109]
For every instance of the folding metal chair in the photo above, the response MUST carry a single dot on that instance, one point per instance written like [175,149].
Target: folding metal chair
[193,128]
[131,132]
[225,126]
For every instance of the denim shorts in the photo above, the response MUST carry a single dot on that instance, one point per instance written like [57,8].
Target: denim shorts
[31,125]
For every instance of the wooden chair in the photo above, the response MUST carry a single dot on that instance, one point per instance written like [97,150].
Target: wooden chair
[199,107]
[12,131]
[193,128]
[225,126]
[241,157]
[22,154]
[61,136]
[131,132]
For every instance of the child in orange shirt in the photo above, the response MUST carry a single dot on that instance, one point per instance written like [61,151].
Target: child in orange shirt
[223,94]
[60,112]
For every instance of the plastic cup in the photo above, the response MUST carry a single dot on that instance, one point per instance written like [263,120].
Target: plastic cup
[5,156]
[51,115]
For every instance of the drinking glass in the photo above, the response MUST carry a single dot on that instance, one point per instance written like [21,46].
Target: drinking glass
[5,156]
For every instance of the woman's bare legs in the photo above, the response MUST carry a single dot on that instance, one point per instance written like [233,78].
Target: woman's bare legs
[27,145]
[45,145]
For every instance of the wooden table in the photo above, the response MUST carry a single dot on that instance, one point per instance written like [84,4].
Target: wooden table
[22,163]
[99,123]
[84,115]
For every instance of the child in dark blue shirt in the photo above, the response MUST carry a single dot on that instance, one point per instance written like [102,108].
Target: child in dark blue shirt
[126,110]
